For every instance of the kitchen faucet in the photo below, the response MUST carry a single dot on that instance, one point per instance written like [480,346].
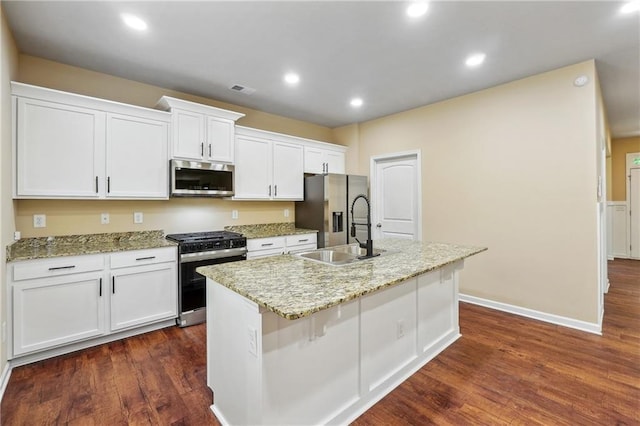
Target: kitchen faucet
[369,244]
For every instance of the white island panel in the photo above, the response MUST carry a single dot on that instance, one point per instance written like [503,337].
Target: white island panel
[328,367]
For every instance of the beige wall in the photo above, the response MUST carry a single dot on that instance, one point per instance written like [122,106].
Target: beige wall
[66,217]
[512,168]
[619,149]
[8,71]
[54,75]
[349,135]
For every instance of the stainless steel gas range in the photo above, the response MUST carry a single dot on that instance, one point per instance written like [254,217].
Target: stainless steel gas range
[202,249]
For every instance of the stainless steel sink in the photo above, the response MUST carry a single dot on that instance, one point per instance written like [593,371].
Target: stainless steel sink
[354,249]
[338,255]
[330,257]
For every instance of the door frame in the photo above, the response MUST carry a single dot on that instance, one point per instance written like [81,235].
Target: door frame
[627,174]
[375,159]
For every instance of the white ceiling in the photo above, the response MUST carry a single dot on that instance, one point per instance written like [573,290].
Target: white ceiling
[340,49]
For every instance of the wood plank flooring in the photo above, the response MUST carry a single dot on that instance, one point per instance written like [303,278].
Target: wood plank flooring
[504,370]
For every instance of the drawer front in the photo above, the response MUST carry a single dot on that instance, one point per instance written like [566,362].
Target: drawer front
[301,239]
[256,244]
[301,248]
[43,268]
[143,257]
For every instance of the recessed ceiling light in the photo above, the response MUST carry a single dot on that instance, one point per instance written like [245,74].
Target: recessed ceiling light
[292,78]
[356,102]
[475,59]
[632,6]
[134,22]
[416,10]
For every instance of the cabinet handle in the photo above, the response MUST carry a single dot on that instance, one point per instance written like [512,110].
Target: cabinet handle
[55,268]
[96,184]
[266,244]
[146,258]
[303,241]
[209,150]
[269,190]
[202,149]
[108,184]
[275,191]
[100,287]
[113,285]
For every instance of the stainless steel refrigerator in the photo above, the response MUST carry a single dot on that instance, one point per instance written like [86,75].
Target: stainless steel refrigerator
[327,208]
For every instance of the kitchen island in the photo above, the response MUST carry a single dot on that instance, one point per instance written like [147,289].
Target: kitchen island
[293,341]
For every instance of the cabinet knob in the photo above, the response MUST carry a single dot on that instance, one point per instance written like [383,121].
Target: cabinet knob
[378,225]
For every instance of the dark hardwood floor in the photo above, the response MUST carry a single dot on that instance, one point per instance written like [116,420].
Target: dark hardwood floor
[504,370]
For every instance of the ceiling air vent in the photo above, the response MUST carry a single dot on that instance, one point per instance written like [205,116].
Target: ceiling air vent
[242,89]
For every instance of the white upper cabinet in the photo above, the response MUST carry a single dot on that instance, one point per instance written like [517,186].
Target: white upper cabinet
[59,150]
[267,168]
[73,146]
[201,132]
[321,160]
[137,157]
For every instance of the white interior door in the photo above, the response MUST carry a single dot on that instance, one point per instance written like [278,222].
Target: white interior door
[633,203]
[396,196]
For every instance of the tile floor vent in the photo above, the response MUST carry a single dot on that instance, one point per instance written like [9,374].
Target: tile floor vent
[242,89]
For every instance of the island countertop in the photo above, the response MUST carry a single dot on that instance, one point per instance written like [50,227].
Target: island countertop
[293,287]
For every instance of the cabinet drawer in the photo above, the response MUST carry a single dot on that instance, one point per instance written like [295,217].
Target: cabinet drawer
[42,268]
[142,257]
[301,239]
[265,243]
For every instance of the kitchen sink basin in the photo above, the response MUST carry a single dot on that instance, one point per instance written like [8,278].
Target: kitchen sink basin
[338,255]
[354,249]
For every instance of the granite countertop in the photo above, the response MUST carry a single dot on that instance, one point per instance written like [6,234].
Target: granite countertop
[293,287]
[73,245]
[267,230]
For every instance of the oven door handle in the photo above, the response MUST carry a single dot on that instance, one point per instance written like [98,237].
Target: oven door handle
[215,254]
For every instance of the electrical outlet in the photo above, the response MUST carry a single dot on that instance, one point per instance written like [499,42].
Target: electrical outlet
[104,218]
[253,341]
[39,221]
[17,236]
[138,217]
[234,214]
[286,212]
[400,328]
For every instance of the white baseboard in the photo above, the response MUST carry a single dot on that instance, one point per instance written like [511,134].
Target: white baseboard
[4,378]
[537,315]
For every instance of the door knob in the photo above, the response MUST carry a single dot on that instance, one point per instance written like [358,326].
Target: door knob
[379,225]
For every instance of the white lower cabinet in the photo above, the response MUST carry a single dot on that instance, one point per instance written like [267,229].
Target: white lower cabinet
[143,294]
[61,301]
[263,247]
[53,312]
[301,243]
[272,246]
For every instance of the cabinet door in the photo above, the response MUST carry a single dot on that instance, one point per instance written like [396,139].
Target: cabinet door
[143,294]
[220,136]
[188,134]
[288,171]
[335,162]
[313,160]
[253,168]
[60,150]
[137,157]
[56,311]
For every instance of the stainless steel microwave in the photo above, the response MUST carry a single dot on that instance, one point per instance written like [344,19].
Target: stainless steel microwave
[201,179]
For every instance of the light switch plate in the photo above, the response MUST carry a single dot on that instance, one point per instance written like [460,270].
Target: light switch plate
[104,218]
[234,214]
[138,217]
[286,212]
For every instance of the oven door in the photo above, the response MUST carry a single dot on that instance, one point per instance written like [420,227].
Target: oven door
[193,290]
